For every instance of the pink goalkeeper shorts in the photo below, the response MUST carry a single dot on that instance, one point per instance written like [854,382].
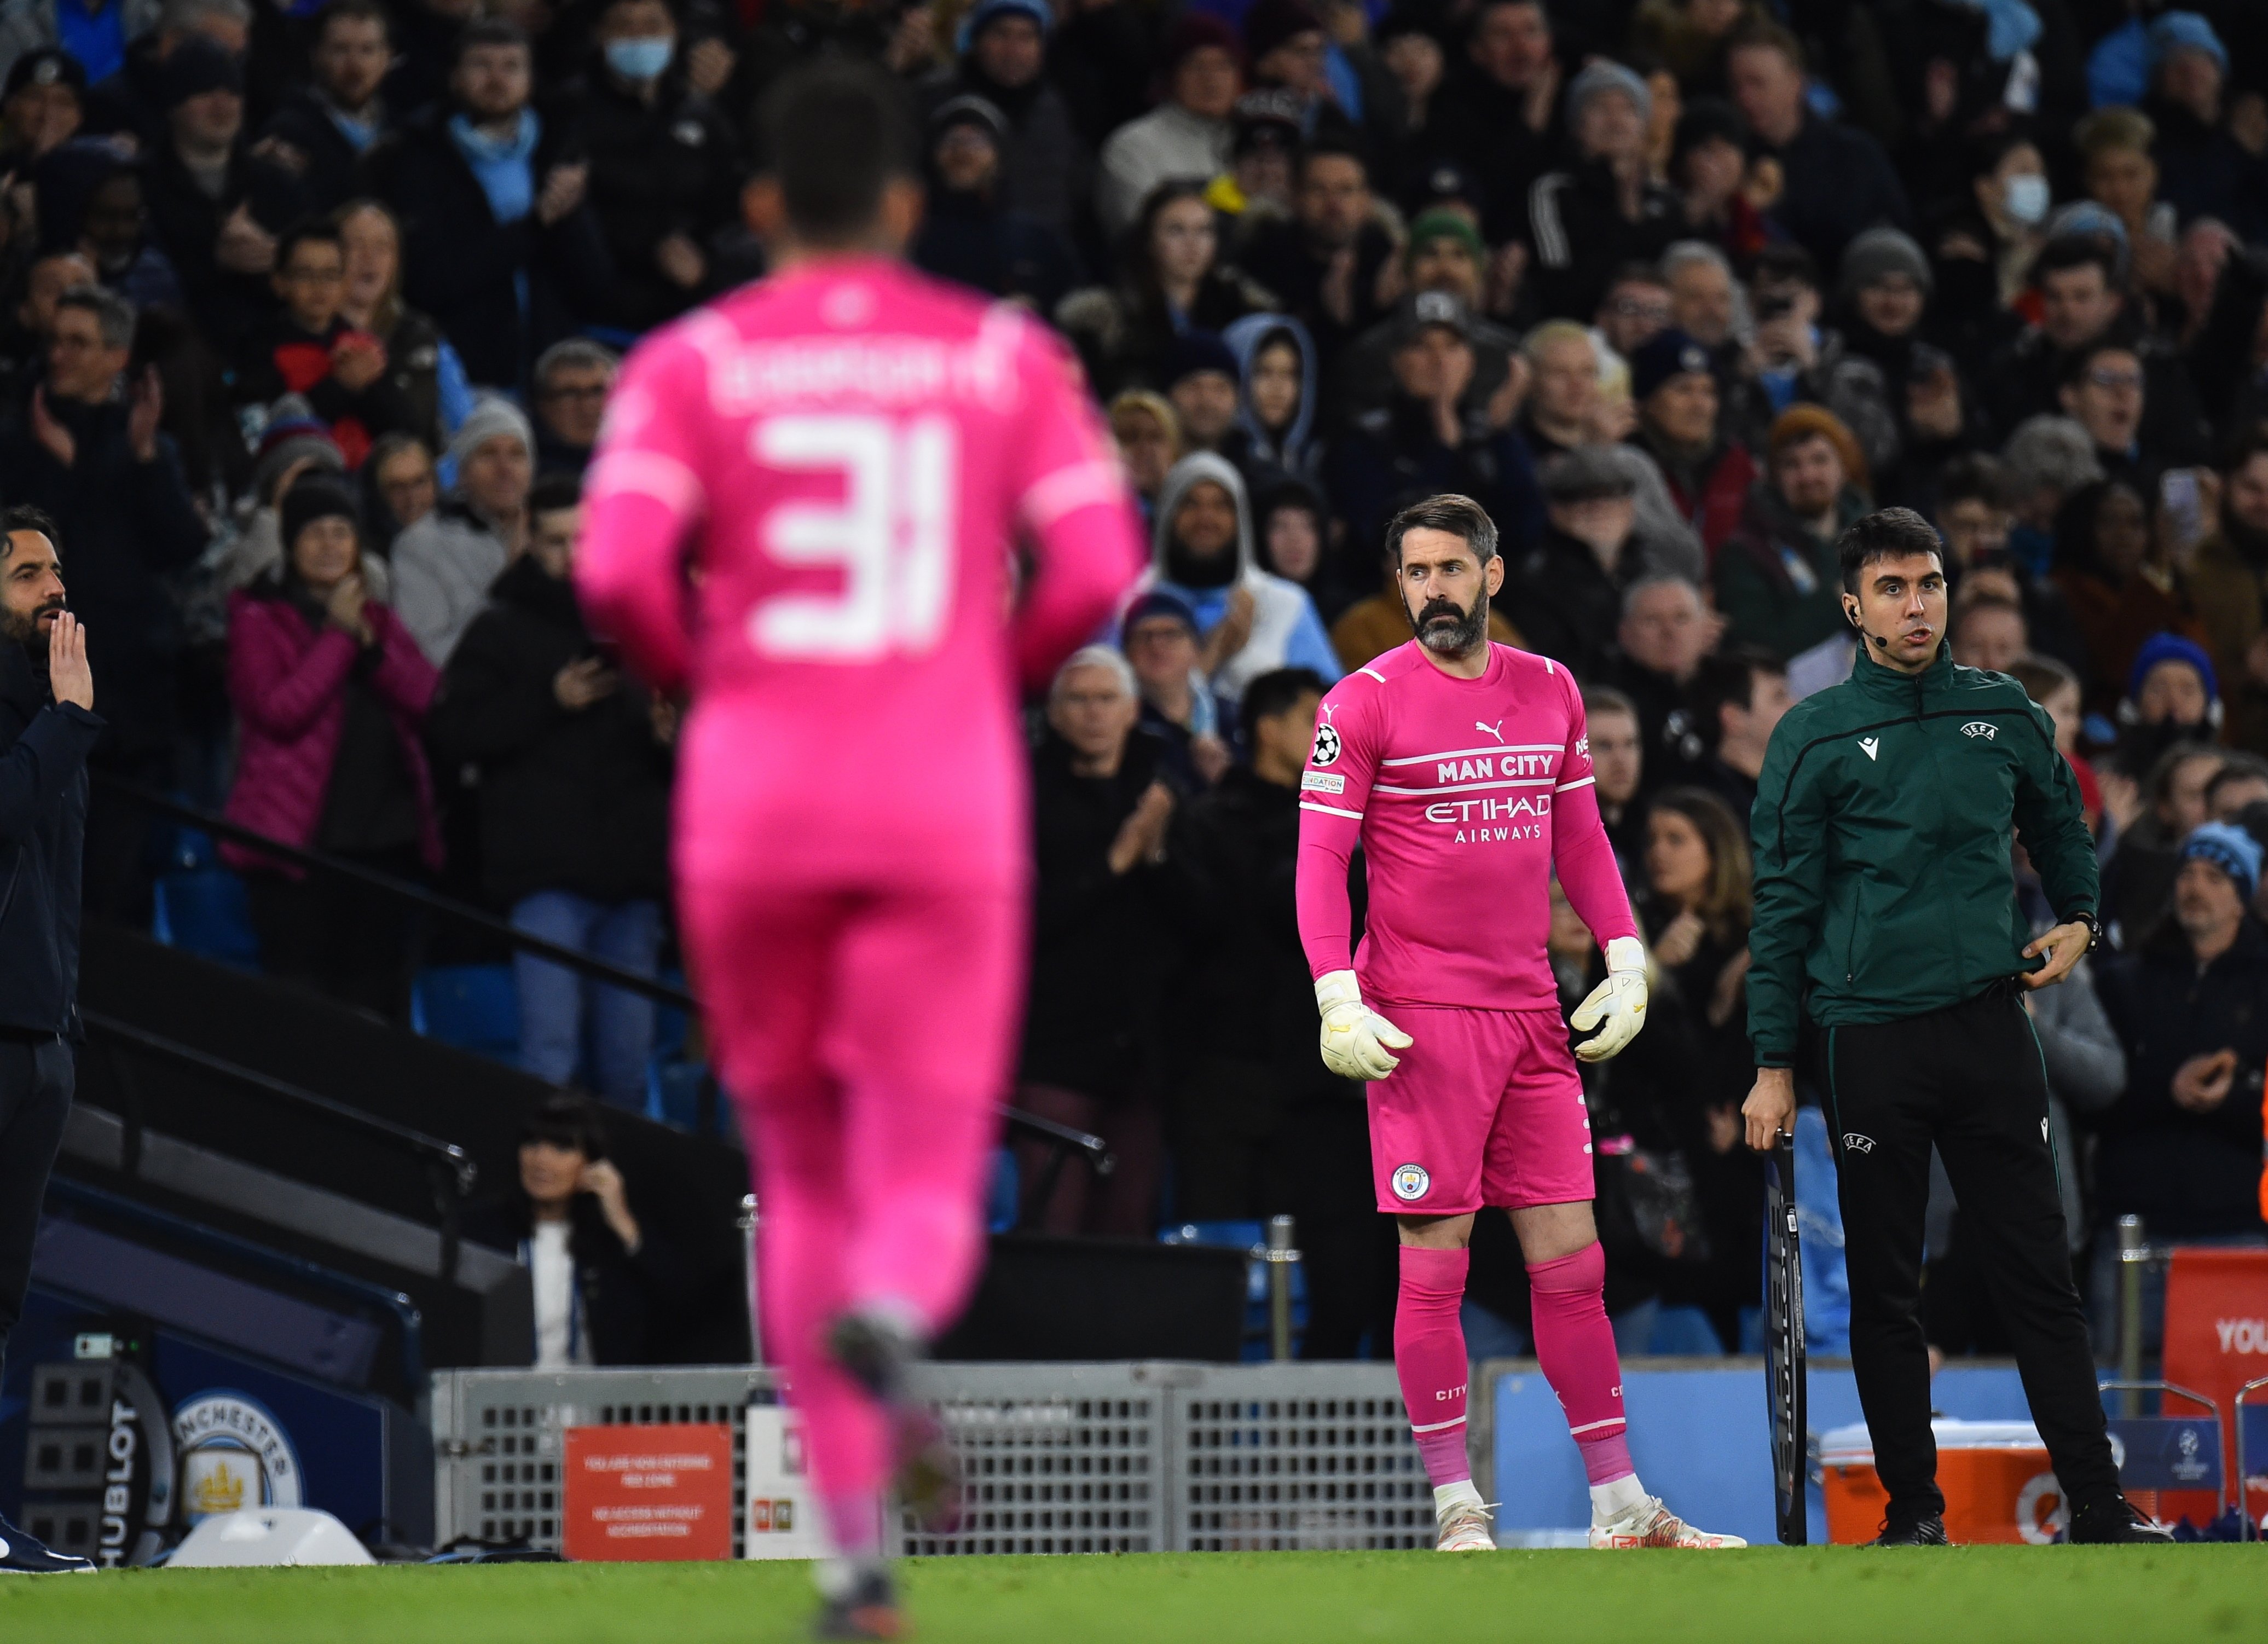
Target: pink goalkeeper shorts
[1486,1109]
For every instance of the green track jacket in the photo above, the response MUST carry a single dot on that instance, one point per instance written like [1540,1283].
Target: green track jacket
[1882,828]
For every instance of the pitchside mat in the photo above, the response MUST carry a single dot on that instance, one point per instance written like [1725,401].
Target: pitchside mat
[1764,1595]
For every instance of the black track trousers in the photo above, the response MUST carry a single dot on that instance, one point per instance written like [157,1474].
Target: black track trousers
[1968,1077]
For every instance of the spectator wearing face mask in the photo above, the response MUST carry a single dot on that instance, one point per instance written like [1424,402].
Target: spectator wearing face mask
[665,165]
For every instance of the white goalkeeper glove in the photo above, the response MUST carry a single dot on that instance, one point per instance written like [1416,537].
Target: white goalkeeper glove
[1616,1007]
[1358,1042]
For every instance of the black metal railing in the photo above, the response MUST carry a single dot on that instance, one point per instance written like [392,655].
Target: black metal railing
[449,1169]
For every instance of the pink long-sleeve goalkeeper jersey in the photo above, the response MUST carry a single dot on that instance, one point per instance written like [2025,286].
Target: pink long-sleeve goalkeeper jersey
[805,505]
[1466,794]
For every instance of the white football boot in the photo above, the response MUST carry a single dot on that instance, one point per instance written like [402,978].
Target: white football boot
[1651,1524]
[1464,1527]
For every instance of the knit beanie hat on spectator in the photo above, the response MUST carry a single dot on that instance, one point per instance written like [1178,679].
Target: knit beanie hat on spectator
[2184,31]
[1667,354]
[294,435]
[984,13]
[1705,120]
[1601,75]
[2165,648]
[196,66]
[1196,352]
[1195,32]
[2228,848]
[45,65]
[1271,22]
[317,497]
[1443,224]
[490,417]
[1880,253]
[1157,603]
[1802,421]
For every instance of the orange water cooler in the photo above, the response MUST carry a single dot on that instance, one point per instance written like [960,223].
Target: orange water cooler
[1998,1485]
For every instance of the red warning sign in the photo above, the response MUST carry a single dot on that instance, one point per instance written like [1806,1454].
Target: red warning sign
[649,1493]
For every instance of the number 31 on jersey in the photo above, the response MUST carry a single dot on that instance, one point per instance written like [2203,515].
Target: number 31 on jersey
[890,535]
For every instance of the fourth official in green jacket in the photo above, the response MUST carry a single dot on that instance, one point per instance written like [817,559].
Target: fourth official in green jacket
[1886,909]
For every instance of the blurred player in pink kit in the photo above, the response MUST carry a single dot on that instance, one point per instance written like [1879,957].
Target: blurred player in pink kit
[1464,770]
[804,511]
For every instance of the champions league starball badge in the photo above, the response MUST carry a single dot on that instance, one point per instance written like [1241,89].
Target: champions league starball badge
[1327,746]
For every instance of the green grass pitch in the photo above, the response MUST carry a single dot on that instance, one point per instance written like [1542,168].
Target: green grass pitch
[1818,1596]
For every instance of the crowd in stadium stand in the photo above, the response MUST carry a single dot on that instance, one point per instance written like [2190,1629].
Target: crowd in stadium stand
[311,313]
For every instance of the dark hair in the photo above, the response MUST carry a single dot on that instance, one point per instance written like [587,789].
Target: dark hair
[353,12]
[24,517]
[1885,533]
[1598,699]
[1976,477]
[836,132]
[2041,676]
[553,493]
[1458,516]
[2237,765]
[319,231]
[2066,252]
[2246,443]
[566,1120]
[486,31]
[1334,148]
[1763,31]
[1969,607]
[2078,526]
[1729,903]
[1729,680]
[1787,262]
[1134,254]
[1274,692]
[2081,360]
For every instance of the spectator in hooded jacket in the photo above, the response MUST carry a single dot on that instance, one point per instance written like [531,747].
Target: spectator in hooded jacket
[1679,427]
[665,164]
[310,349]
[444,564]
[1250,622]
[1275,433]
[331,694]
[333,121]
[499,243]
[573,795]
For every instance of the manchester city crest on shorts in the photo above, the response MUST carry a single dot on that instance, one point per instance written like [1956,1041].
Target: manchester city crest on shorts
[1327,746]
[1410,1183]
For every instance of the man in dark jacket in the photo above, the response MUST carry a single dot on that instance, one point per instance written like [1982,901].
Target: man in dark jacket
[1260,1127]
[1567,594]
[2182,1147]
[665,165]
[1046,169]
[47,725]
[1325,262]
[329,124]
[1838,180]
[573,795]
[498,242]
[1603,211]
[1497,112]
[1881,828]
[1091,1054]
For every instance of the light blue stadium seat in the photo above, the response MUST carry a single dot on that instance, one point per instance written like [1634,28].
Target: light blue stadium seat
[1683,1333]
[474,1007]
[1252,1237]
[203,910]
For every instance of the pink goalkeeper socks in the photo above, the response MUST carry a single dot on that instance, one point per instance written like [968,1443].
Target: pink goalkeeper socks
[1429,1357]
[1576,1347]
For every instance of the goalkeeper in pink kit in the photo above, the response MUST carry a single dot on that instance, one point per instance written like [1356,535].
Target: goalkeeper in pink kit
[1463,769]
[804,511]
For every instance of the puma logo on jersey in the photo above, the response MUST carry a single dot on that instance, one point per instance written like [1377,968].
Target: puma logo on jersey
[1870,745]
[1857,1143]
[1980,727]
[1496,730]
